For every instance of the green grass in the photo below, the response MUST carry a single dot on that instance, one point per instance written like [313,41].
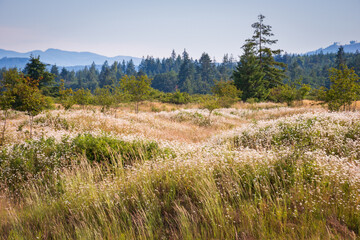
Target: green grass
[289,179]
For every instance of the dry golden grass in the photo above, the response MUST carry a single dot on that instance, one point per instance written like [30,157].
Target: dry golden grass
[156,120]
[266,173]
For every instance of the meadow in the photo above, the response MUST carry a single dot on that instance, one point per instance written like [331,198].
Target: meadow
[253,171]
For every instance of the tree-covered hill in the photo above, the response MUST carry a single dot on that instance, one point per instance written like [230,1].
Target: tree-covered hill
[313,69]
[181,72]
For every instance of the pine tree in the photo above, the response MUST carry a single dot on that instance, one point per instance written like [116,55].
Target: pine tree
[130,68]
[340,58]
[55,70]
[207,71]
[248,75]
[93,77]
[186,74]
[36,70]
[273,71]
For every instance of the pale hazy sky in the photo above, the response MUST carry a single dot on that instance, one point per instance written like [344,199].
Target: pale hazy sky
[155,27]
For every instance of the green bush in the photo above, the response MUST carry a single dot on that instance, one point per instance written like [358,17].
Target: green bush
[44,157]
[32,160]
[196,118]
[105,148]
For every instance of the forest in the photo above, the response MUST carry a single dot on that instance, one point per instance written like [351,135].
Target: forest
[167,72]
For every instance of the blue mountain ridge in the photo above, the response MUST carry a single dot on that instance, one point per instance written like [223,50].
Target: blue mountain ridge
[61,58]
[78,60]
[352,47]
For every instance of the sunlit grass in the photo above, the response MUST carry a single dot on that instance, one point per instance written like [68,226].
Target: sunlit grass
[269,172]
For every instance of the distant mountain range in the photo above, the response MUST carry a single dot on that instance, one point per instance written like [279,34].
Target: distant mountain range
[352,47]
[61,58]
[78,60]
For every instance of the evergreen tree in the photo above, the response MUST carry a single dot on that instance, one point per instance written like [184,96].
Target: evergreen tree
[186,74]
[93,77]
[64,74]
[226,68]
[340,58]
[55,70]
[206,71]
[36,70]
[104,77]
[130,68]
[248,75]
[123,66]
[165,82]
[273,71]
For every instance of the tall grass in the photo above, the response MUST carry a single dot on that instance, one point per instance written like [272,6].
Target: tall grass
[291,178]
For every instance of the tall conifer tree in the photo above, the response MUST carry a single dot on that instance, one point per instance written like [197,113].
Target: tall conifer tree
[273,70]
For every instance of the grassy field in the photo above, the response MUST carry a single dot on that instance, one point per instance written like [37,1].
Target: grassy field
[254,171]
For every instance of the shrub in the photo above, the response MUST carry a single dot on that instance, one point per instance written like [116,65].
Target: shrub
[32,160]
[43,158]
[105,148]
[195,118]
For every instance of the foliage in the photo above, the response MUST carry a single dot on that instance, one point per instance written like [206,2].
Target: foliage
[35,69]
[210,104]
[165,82]
[66,96]
[258,72]
[226,92]
[137,88]
[6,101]
[83,97]
[289,93]
[105,148]
[344,90]
[177,97]
[313,69]
[28,98]
[186,74]
[248,76]
[273,70]
[340,58]
[45,157]
[104,98]
[195,118]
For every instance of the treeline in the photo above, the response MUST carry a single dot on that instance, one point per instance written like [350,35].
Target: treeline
[180,72]
[314,69]
[197,76]
[169,74]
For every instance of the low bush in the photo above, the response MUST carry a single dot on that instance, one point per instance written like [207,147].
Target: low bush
[195,118]
[45,157]
[105,148]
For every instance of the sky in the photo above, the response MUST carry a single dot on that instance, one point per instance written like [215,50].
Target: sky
[155,27]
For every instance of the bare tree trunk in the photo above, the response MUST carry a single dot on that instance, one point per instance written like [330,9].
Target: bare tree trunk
[137,108]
